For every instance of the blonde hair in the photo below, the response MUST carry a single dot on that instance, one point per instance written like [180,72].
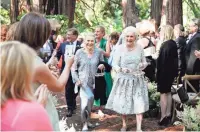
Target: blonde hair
[168,32]
[16,71]
[180,29]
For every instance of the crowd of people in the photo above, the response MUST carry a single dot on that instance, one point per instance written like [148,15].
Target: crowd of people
[107,71]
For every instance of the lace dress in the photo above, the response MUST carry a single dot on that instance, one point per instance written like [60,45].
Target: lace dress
[129,93]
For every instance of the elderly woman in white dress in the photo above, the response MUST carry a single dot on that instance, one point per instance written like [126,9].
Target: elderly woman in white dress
[129,93]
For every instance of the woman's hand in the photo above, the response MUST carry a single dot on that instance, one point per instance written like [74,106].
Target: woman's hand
[42,94]
[101,67]
[197,53]
[78,83]
[69,60]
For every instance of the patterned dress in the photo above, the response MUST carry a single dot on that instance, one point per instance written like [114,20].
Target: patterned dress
[129,93]
[84,69]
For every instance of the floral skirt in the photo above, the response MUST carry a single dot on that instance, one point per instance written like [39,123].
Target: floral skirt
[129,94]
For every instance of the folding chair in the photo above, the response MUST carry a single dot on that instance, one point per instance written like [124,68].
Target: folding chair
[193,97]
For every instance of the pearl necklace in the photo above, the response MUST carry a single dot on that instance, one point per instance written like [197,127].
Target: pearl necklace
[130,49]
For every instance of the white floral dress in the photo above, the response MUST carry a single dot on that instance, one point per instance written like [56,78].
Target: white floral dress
[129,93]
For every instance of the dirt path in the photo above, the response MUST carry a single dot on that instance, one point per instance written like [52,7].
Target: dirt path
[111,121]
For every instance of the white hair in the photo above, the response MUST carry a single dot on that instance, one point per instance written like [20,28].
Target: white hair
[125,31]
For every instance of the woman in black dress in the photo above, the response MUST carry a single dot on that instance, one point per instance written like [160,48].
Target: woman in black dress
[167,67]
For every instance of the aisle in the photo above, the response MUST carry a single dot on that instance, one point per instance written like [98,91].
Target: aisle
[111,121]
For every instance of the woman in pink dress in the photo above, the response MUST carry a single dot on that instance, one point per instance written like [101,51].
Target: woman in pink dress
[19,109]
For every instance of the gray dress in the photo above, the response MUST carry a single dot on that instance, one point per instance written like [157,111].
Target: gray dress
[84,69]
[129,93]
[50,106]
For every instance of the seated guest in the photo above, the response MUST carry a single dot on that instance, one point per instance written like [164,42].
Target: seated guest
[19,108]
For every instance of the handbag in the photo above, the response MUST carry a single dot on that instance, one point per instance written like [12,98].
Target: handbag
[182,93]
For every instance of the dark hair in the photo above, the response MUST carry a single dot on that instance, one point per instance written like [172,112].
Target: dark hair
[114,35]
[73,30]
[33,29]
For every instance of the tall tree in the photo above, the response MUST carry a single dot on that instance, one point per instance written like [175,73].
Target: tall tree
[156,7]
[14,10]
[172,12]
[130,17]
[52,7]
[37,5]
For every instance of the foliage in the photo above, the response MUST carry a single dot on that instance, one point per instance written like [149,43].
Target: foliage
[143,7]
[191,118]
[154,98]
[4,16]
[89,14]
[63,20]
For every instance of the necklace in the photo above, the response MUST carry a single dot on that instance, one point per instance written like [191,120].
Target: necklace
[130,49]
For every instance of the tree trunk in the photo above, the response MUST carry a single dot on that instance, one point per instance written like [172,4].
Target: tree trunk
[130,17]
[50,7]
[29,8]
[156,7]
[14,10]
[37,5]
[60,6]
[172,12]
[71,5]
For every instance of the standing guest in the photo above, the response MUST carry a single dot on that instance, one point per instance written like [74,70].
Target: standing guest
[11,31]
[69,48]
[102,43]
[167,69]
[180,40]
[193,43]
[59,40]
[114,37]
[149,49]
[35,36]
[83,71]
[4,29]
[19,109]
[197,53]
[129,93]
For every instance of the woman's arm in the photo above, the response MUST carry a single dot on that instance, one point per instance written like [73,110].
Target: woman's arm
[116,60]
[44,76]
[107,52]
[143,64]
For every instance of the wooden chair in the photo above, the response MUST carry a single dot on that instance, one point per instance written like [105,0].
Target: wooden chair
[193,97]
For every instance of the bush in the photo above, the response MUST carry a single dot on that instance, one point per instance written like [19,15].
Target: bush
[4,16]
[191,118]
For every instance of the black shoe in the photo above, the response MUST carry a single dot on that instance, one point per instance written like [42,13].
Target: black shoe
[169,119]
[163,122]
[69,113]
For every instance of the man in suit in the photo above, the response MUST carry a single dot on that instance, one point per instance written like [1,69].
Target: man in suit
[193,43]
[63,50]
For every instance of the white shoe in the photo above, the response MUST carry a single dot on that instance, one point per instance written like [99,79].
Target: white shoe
[85,127]
[90,125]
[101,114]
